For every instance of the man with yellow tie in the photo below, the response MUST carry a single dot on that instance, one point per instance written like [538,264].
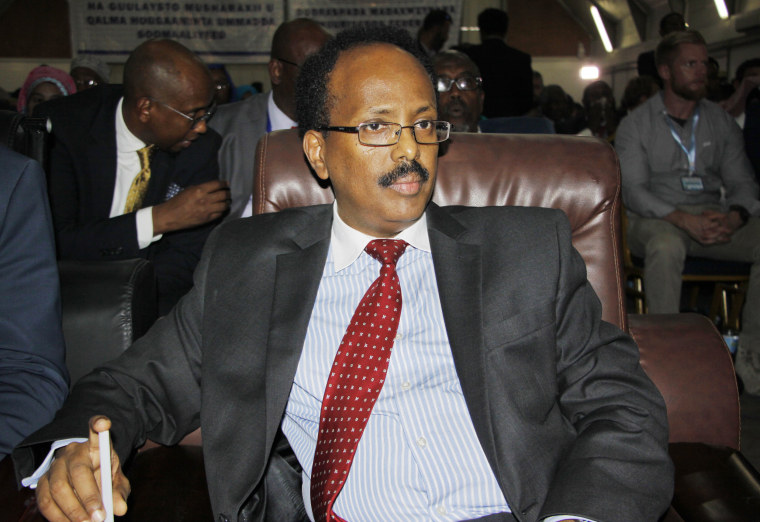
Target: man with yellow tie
[133,170]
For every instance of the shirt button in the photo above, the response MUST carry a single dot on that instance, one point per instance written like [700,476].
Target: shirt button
[399,336]
[421,442]
[406,386]
[441,510]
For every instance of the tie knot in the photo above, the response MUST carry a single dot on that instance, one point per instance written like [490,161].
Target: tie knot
[387,251]
[145,153]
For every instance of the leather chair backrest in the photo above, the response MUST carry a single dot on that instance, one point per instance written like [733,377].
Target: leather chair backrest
[106,306]
[578,175]
[25,135]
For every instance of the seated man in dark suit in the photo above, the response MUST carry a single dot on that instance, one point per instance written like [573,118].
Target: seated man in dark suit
[133,171]
[483,385]
[33,377]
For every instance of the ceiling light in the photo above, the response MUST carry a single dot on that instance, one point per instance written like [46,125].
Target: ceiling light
[601,30]
[720,5]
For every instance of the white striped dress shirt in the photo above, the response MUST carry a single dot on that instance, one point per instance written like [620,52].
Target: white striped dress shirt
[419,457]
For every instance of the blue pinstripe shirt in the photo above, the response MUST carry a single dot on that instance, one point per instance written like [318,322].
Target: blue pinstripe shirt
[419,457]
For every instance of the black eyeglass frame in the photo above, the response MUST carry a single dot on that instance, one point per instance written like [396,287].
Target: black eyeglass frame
[456,81]
[357,130]
[208,112]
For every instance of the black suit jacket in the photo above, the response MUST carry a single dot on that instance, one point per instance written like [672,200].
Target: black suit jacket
[82,180]
[507,78]
[567,418]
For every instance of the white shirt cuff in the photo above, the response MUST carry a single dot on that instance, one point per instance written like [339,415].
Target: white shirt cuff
[248,210]
[145,236]
[31,481]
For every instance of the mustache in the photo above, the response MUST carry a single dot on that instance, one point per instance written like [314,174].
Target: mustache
[403,170]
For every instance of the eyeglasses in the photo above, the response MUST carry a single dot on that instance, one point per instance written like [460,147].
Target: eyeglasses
[86,84]
[221,85]
[294,64]
[208,112]
[381,134]
[465,82]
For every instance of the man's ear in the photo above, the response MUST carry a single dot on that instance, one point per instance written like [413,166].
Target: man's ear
[144,105]
[275,71]
[664,71]
[314,148]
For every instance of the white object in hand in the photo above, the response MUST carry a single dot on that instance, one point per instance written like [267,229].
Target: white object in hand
[106,488]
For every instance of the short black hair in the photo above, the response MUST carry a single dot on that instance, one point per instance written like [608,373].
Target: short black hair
[746,64]
[493,21]
[312,103]
[435,18]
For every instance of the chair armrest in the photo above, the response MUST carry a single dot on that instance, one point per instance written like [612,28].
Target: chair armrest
[688,361]
[106,305]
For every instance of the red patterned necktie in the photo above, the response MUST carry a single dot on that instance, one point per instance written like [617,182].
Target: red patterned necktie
[356,378]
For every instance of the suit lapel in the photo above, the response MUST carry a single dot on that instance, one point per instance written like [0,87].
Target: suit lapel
[297,279]
[459,277]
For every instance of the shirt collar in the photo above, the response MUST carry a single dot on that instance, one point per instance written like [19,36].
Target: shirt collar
[126,141]
[278,119]
[347,243]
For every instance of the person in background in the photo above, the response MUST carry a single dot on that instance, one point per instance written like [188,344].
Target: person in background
[460,90]
[89,71]
[42,84]
[559,107]
[601,115]
[689,189]
[745,84]
[133,170]
[243,92]
[242,124]
[506,71]
[638,90]
[225,91]
[434,31]
[33,376]
[645,64]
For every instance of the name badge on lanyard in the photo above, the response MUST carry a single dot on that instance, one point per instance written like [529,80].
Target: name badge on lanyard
[692,182]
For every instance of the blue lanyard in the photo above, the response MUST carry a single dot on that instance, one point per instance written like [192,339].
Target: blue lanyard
[269,123]
[691,152]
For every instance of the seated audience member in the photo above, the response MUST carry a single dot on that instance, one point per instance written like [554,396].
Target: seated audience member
[243,92]
[637,91]
[33,377]
[224,88]
[242,124]
[718,89]
[746,83]
[89,71]
[678,151]
[42,84]
[558,106]
[669,23]
[599,106]
[460,90]
[538,88]
[434,31]
[574,430]
[133,170]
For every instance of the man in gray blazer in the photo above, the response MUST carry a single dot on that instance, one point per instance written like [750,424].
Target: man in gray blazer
[500,352]
[241,124]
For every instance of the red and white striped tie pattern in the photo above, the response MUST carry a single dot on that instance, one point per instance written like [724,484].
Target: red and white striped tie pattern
[356,378]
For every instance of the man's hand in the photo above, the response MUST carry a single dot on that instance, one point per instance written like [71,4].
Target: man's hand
[708,228]
[70,490]
[193,206]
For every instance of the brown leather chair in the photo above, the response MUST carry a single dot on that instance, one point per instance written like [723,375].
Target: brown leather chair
[683,354]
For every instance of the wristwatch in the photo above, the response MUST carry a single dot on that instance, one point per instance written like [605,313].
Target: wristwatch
[743,212]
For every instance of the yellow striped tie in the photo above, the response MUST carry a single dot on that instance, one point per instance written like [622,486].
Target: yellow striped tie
[140,184]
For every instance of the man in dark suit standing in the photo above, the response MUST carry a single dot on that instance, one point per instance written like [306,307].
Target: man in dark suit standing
[504,397]
[133,172]
[33,377]
[506,71]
